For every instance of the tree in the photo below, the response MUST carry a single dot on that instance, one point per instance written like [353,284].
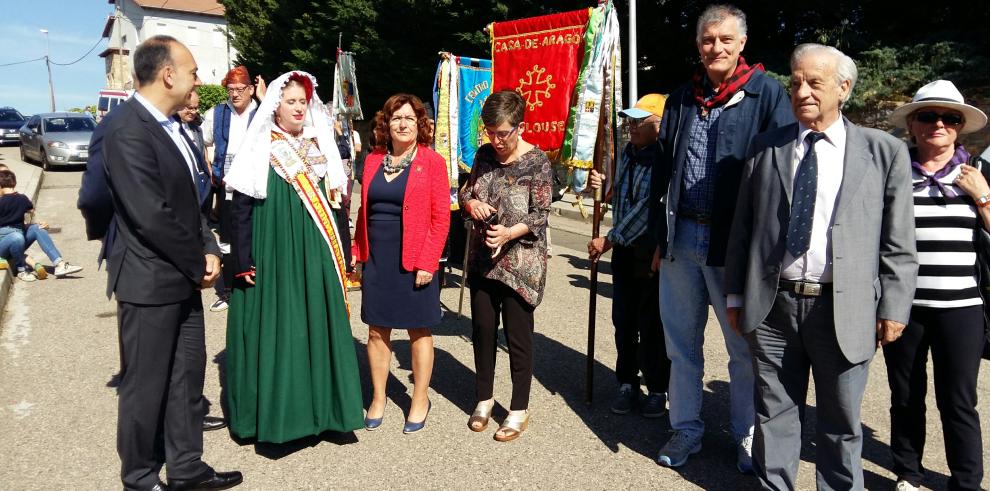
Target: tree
[396,41]
[210,95]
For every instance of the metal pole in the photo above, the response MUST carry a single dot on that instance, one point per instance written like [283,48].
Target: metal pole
[633,56]
[48,62]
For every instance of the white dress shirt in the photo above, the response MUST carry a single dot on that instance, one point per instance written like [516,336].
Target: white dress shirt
[171,128]
[238,127]
[816,263]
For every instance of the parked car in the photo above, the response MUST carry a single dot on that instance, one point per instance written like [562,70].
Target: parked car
[57,139]
[10,122]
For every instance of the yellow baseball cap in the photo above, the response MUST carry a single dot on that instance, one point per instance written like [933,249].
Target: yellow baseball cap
[645,106]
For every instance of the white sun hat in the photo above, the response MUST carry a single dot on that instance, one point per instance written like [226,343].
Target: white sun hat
[940,93]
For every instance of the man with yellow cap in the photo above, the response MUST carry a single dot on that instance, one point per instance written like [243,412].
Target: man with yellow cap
[639,340]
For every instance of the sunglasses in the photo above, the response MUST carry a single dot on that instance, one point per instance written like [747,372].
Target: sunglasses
[949,119]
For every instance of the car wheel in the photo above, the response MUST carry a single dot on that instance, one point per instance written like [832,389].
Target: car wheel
[44,161]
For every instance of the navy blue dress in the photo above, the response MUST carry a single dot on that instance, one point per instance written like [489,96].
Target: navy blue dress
[389,296]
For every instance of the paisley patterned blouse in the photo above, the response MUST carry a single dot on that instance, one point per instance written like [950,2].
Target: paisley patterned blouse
[521,192]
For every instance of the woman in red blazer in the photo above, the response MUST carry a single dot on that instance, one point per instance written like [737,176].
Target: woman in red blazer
[401,230]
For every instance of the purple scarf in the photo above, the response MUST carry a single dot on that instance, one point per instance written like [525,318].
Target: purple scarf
[961,156]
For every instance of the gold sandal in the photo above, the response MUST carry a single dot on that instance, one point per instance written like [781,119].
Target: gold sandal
[480,417]
[512,427]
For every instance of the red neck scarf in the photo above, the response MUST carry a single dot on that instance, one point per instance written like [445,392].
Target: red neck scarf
[727,89]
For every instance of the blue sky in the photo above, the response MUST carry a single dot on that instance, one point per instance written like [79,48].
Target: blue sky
[74,26]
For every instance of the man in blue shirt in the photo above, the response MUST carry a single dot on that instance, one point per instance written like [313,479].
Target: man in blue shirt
[707,128]
[639,342]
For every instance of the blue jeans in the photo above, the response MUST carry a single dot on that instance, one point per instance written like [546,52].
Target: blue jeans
[12,246]
[37,234]
[687,287]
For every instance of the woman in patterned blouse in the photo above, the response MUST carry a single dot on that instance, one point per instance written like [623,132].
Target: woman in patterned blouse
[508,195]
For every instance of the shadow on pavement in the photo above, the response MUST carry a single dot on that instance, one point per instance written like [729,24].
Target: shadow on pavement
[583,281]
[874,450]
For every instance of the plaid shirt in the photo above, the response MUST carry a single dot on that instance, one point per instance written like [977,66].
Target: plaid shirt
[631,197]
[699,176]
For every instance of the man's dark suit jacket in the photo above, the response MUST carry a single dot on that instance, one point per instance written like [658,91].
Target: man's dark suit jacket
[95,201]
[158,257]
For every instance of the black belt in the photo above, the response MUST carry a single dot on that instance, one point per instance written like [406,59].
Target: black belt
[702,218]
[806,288]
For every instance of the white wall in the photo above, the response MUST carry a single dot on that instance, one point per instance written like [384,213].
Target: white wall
[202,34]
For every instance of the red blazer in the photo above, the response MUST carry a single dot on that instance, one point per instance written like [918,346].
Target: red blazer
[425,210]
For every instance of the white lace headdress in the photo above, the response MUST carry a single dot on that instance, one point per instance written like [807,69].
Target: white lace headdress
[249,170]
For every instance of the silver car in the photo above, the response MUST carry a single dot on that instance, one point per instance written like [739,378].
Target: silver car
[57,139]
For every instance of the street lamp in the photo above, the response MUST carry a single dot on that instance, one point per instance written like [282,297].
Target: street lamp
[48,62]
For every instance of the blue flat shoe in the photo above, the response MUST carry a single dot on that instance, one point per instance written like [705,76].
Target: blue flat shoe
[414,427]
[372,424]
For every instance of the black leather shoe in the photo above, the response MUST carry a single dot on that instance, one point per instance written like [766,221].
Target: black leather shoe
[211,423]
[213,480]
[160,487]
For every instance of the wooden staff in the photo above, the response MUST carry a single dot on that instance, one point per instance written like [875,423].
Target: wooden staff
[600,146]
[469,225]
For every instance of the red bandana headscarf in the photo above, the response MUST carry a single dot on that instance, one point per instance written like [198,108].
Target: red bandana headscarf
[237,75]
[727,89]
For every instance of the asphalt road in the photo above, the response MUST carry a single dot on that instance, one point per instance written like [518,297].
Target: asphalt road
[58,352]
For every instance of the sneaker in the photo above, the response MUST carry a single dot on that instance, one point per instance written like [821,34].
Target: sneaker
[903,485]
[27,276]
[40,271]
[219,306]
[64,268]
[677,450]
[655,405]
[625,399]
[744,455]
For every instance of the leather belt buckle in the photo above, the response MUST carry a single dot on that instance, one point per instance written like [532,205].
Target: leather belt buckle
[808,289]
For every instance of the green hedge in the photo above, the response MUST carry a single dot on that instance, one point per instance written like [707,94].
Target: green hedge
[210,95]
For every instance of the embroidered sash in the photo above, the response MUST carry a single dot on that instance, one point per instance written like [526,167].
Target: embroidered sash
[295,167]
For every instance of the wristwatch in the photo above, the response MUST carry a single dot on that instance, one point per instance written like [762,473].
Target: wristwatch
[983,201]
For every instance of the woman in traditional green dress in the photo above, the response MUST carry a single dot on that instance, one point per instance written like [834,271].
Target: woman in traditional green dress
[291,369]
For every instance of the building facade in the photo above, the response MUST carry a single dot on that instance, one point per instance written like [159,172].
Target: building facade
[199,24]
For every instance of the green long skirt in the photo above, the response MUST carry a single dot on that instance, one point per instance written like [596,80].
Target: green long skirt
[291,369]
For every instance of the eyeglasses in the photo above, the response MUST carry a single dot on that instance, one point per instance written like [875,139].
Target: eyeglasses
[237,90]
[501,135]
[929,117]
[397,120]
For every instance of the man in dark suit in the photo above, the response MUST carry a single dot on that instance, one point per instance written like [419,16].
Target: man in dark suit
[163,255]
[820,270]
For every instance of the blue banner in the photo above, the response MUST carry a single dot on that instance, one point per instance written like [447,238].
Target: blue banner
[474,86]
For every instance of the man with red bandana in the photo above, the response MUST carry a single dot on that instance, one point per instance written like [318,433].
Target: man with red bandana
[224,128]
[707,127]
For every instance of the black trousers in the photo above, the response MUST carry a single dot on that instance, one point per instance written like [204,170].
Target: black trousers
[489,299]
[639,341]
[160,404]
[955,337]
[225,282]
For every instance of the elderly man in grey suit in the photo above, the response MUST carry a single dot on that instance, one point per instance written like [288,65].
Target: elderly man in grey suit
[820,269]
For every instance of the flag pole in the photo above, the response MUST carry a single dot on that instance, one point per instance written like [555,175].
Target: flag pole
[593,289]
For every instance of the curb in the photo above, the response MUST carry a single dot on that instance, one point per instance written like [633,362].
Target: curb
[30,187]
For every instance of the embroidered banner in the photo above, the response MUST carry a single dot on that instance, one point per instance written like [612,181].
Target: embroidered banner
[539,57]
[475,84]
[345,91]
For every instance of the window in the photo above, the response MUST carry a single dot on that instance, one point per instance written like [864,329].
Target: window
[65,125]
[10,115]
[104,104]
